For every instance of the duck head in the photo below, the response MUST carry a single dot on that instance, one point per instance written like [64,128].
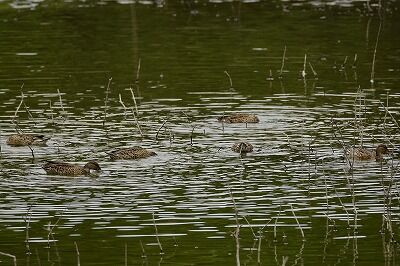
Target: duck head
[92,165]
[381,150]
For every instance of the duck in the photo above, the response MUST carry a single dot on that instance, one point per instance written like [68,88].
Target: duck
[363,154]
[68,169]
[26,139]
[239,118]
[242,147]
[135,152]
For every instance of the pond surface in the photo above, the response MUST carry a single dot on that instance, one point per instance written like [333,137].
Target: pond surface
[197,200]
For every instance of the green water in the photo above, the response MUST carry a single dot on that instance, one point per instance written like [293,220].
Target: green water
[295,181]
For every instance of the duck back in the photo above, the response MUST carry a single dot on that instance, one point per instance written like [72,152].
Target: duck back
[131,153]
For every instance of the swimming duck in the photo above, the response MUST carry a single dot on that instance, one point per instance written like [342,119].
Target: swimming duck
[26,139]
[67,169]
[363,154]
[239,118]
[242,147]
[131,153]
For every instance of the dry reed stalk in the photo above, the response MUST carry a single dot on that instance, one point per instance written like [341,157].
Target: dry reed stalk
[284,260]
[386,114]
[138,70]
[367,30]
[259,251]
[270,77]
[299,255]
[303,72]
[30,116]
[223,123]
[262,228]
[309,161]
[276,255]
[191,135]
[237,231]
[283,63]
[133,113]
[137,122]
[340,141]
[51,112]
[27,220]
[372,80]
[158,239]
[106,101]
[313,70]
[158,131]
[19,106]
[341,203]
[143,251]
[354,202]
[33,155]
[126,254]
[11,256]
[37,257]
[276,221]
[187,117]
[51,228]
[171,136]
[358,123]
[355,61]
[355,248]
[343,66]
[61,103]
[297,221]
[390,114]
[326,194]
[134,101]
[78,262]
[230,79]
[250,226]
[388,195]
[25,106]
[122,103]
[326,240]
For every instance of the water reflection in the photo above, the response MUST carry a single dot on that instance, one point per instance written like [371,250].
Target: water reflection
[296,163]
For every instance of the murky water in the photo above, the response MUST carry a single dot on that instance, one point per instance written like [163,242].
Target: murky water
[196,192]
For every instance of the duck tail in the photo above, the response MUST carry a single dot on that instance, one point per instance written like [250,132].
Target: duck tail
[43,137]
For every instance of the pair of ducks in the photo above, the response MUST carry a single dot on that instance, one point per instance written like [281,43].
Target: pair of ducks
[243,146]
[67,169]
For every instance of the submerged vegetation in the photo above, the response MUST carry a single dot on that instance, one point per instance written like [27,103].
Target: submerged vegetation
[190,82]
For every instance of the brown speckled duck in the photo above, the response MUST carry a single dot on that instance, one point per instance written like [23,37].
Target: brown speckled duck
[26,139]
[131,153]
[239,118]
[363,154]
[242,147]
[61,168]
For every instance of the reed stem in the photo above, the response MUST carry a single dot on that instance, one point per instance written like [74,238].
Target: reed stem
[297,221]
[106,101]
[230,79]
[158,131]
[283,63]
[77,254]
[11,256]
[158,239]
